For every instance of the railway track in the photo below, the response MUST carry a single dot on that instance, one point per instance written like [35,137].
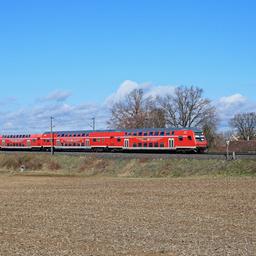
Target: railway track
[132,155]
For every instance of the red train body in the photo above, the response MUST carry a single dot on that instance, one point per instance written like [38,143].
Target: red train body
[169,139]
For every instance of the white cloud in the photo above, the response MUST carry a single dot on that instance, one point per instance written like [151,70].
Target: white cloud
[150,90]
[232,100]
[228,106]
[57,95]
[36,118]
[160,90]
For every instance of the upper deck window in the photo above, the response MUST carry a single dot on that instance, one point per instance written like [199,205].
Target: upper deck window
[162,133]
[151,133]
[145,134]
[140,133]
[156,133]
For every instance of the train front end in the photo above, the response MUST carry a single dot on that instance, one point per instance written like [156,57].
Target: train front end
[201,142]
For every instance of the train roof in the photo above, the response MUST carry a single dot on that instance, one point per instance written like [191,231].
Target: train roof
[126,130]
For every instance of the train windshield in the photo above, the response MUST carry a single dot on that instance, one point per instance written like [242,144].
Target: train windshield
[199,136]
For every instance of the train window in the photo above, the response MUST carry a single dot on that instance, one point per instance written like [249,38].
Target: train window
[83,134]
[189,137]
[118,139]
[140,133]
[94,140]
[167,133]
[139,145]
[162,133]
[145,134]
[151,134]
[129,133]
[161,145]
[78,135]
[135,134]
[70,135]
[156,145]
[156,133]
[180,138]
[173,132]
[134,145]
[74,135]
[125,133]
[150,144]
[87,134]
[145,145]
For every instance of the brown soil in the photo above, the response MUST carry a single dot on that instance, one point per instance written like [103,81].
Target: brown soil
[148,217]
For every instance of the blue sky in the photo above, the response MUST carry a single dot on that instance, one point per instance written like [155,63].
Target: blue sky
[85,50]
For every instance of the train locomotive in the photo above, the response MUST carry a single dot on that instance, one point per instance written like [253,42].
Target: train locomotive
[139,140]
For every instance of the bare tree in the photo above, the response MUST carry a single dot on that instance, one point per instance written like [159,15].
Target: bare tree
[136,111]
[187,108]
[155,117]
[245,125]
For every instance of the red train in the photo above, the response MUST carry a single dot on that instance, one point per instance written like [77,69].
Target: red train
[169,139]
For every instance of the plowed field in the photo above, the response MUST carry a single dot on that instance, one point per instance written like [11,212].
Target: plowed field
[148,217]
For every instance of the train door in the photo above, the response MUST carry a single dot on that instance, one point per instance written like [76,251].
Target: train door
[171,143]
[87,143]
[126,143]
[58,143]
[28,143]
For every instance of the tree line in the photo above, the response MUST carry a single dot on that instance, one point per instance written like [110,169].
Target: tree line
[186,107]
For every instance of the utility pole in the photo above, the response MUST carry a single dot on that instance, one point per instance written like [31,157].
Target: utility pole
[52,138]
[93,123]
[227,149]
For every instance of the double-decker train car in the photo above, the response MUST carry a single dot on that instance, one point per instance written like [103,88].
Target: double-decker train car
[169,139]
[21,141]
